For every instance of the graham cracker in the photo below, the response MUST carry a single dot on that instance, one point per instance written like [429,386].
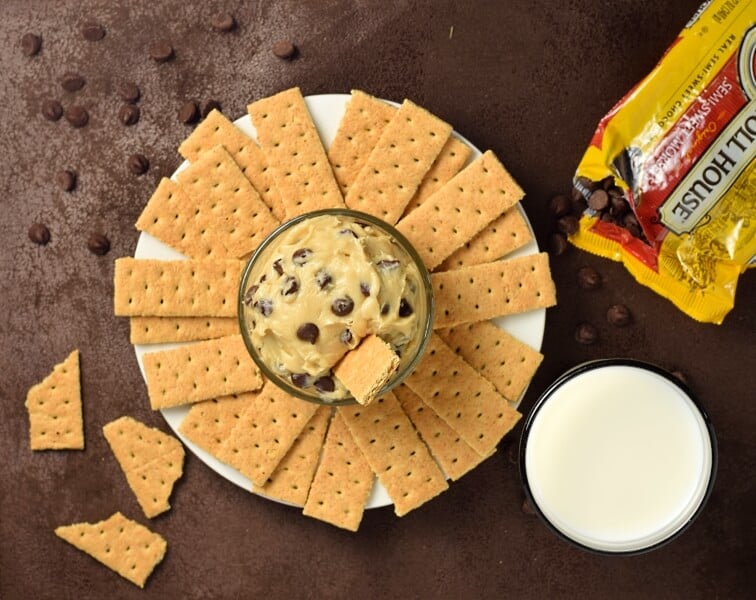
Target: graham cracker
[54,406]
[452,158]
[295,153]
[163,330]
[151,460]
[404,153]
[176,288]
[500,357]
[462,397]
[343,480]
[292,477]
[460,209]
[125,546]
[216,130]
[265,432]
[209,423]
[455,456]
[481,292]
[200,371]
[359,130]
[367,368]
[503,235]
[237,218]
[395,452]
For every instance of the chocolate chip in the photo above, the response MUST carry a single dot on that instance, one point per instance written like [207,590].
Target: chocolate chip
[324,384]
[588,278]
[405,308]
[264,306]
[560,205]
[39,234]
[299,379]
[585,333]
[77,116]
[619,315]
[341,307]
[348,232]
[189,113]
[277,266]
[609,218]
[290,286]
[92,32]
[129,91]
[345,337]
[388,264]
[209,107]
[598,200]
[129,114]
[308,332]
[607,182]
[224,22]
[66,180]
[385,309]
[558,244]
[568,224]
[52,110]
[630,223]
[365,289]
[263,278]
[323,278]
[138,163]
[618,206]
[301,256]
[72,82]
[249,295]
[98,244]
[161,52]
[284,49]
[31,44]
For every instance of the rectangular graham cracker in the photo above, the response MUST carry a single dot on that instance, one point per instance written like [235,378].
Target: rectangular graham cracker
[209,423]
[343,480]
[200,371]
[125,546]
[395,452]
[54,406]
[462,397]
[404,153]
[455,456]
[292,478]
[366,369]
[295,153]
[151,460]
[237,218]
[265,432]
[360,127]
[163,330]
[176,288]
[503,235]
[460,209]
[482,292]
[448,163]
[500,357]
[214,130]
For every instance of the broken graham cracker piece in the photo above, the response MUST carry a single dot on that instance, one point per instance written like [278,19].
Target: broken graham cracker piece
[151,460]
[360,127]
[291,479]
[265,432]
[455,456]
[395,452]
[209,423]
[295,153]
[498,356]
[125,546]
[462,397]
[176,288]
[162,330]
[404,153]
[500,237]
[482,292]
[200,371]
[343,480]
[54,405]
[214,130]
[366,369]
[460,209]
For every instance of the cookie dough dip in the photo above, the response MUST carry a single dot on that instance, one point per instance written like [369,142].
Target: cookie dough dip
[320,284]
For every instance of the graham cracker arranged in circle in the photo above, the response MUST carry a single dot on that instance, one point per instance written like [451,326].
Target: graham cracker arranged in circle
[209,423]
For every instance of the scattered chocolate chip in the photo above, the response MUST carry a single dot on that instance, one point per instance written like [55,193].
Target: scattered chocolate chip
[365,289]
[598,200]
[277,266]
[560,205]
[92,32]
[129,91]
[72,82]
[323,278]
[224,22]
[324,384]
[98,244]
[301,256]
[290,286]
[588,278]
[558,243]
[527,508]
[249,295]
[385,309]
[39,234]
[138,163]
[129,114]
[405,308]
[161,52]
[567,224]
[52,110]
[341,307]
[299,379]
[345,337]
[31,44]
[189,113]
[284,49]
[619,315]
[308,332]
[66,180]
[77,116]
[585,333]
[618,206]
[209,107]
[346,231]
[630,223]
[388,264]
[263,278]
[264,306]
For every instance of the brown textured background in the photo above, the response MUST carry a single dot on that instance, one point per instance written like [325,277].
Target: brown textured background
[527,79]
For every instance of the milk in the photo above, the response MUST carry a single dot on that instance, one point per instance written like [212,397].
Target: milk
[618,458]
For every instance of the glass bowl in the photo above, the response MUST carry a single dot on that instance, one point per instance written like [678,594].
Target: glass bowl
[260,265]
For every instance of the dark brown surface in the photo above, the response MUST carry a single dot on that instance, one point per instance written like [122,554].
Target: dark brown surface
[527,79]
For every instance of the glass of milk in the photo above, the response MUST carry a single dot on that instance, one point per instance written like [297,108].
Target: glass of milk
[617,456]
